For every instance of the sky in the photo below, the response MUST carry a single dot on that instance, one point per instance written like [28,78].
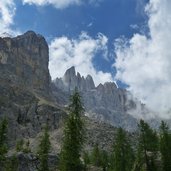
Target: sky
[126,41]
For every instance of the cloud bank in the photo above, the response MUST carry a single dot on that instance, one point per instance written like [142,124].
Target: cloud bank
[56,3]
[7,12]
[65,52]
[60,4]
[144,61]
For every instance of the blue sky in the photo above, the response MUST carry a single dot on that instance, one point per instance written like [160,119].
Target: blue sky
[127,41]
[110,17]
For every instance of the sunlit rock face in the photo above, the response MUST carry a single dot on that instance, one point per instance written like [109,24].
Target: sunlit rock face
[24,61]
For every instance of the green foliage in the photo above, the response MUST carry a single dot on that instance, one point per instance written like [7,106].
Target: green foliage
[96,156]
[43,150]
[99,158]
[86,159]
[3,141]
[26,147]
[19,145]
[165,146]
[12,164]
[123,156]
[147,147]
[73,136]
[22,146]
[104,160]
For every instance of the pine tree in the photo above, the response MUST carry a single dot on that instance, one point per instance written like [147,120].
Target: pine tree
[123,155]
[99,157]
[104,160]
[3,141]
[147,146]
[96,156]
[86,159]
[165,146]
[73,136]
[43,150]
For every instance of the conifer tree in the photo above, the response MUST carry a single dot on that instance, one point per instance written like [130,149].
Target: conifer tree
[99,157]
[3,141]
[73,136]
[96,156]
[165,146]
[104,160]
[147,146]
[43,150]
[86,158]
[122,156]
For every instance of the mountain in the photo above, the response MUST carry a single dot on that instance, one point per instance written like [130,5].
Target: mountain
[28,98]
[106,102]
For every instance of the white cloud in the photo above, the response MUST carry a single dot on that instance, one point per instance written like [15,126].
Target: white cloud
[60,4]
[7,13]
[144,61]
[80,52]
[56,3]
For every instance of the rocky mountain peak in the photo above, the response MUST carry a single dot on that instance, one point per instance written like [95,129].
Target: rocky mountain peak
[71,80]
[70,72]
[5,34]
[110,86]
[24,61]
[31,39]
[89,82]
[106,102]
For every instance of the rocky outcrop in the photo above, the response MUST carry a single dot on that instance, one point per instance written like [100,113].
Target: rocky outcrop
[25,93]
[24,61]
[29,162]
[106,102]
[71,80]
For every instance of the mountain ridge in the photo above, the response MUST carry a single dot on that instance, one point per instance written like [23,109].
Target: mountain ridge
[105,102]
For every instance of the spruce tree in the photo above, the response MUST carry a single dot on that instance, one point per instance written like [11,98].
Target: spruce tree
[147,147]
[3,141]
[86,159]
[165,146]
[96,156]
[73,136]
[99,157]
[123,155]
[43,150]
[104,160]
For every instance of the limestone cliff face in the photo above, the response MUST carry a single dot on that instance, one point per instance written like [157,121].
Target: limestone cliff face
[71,80]
[25,94]
[105,102]
[24,61]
